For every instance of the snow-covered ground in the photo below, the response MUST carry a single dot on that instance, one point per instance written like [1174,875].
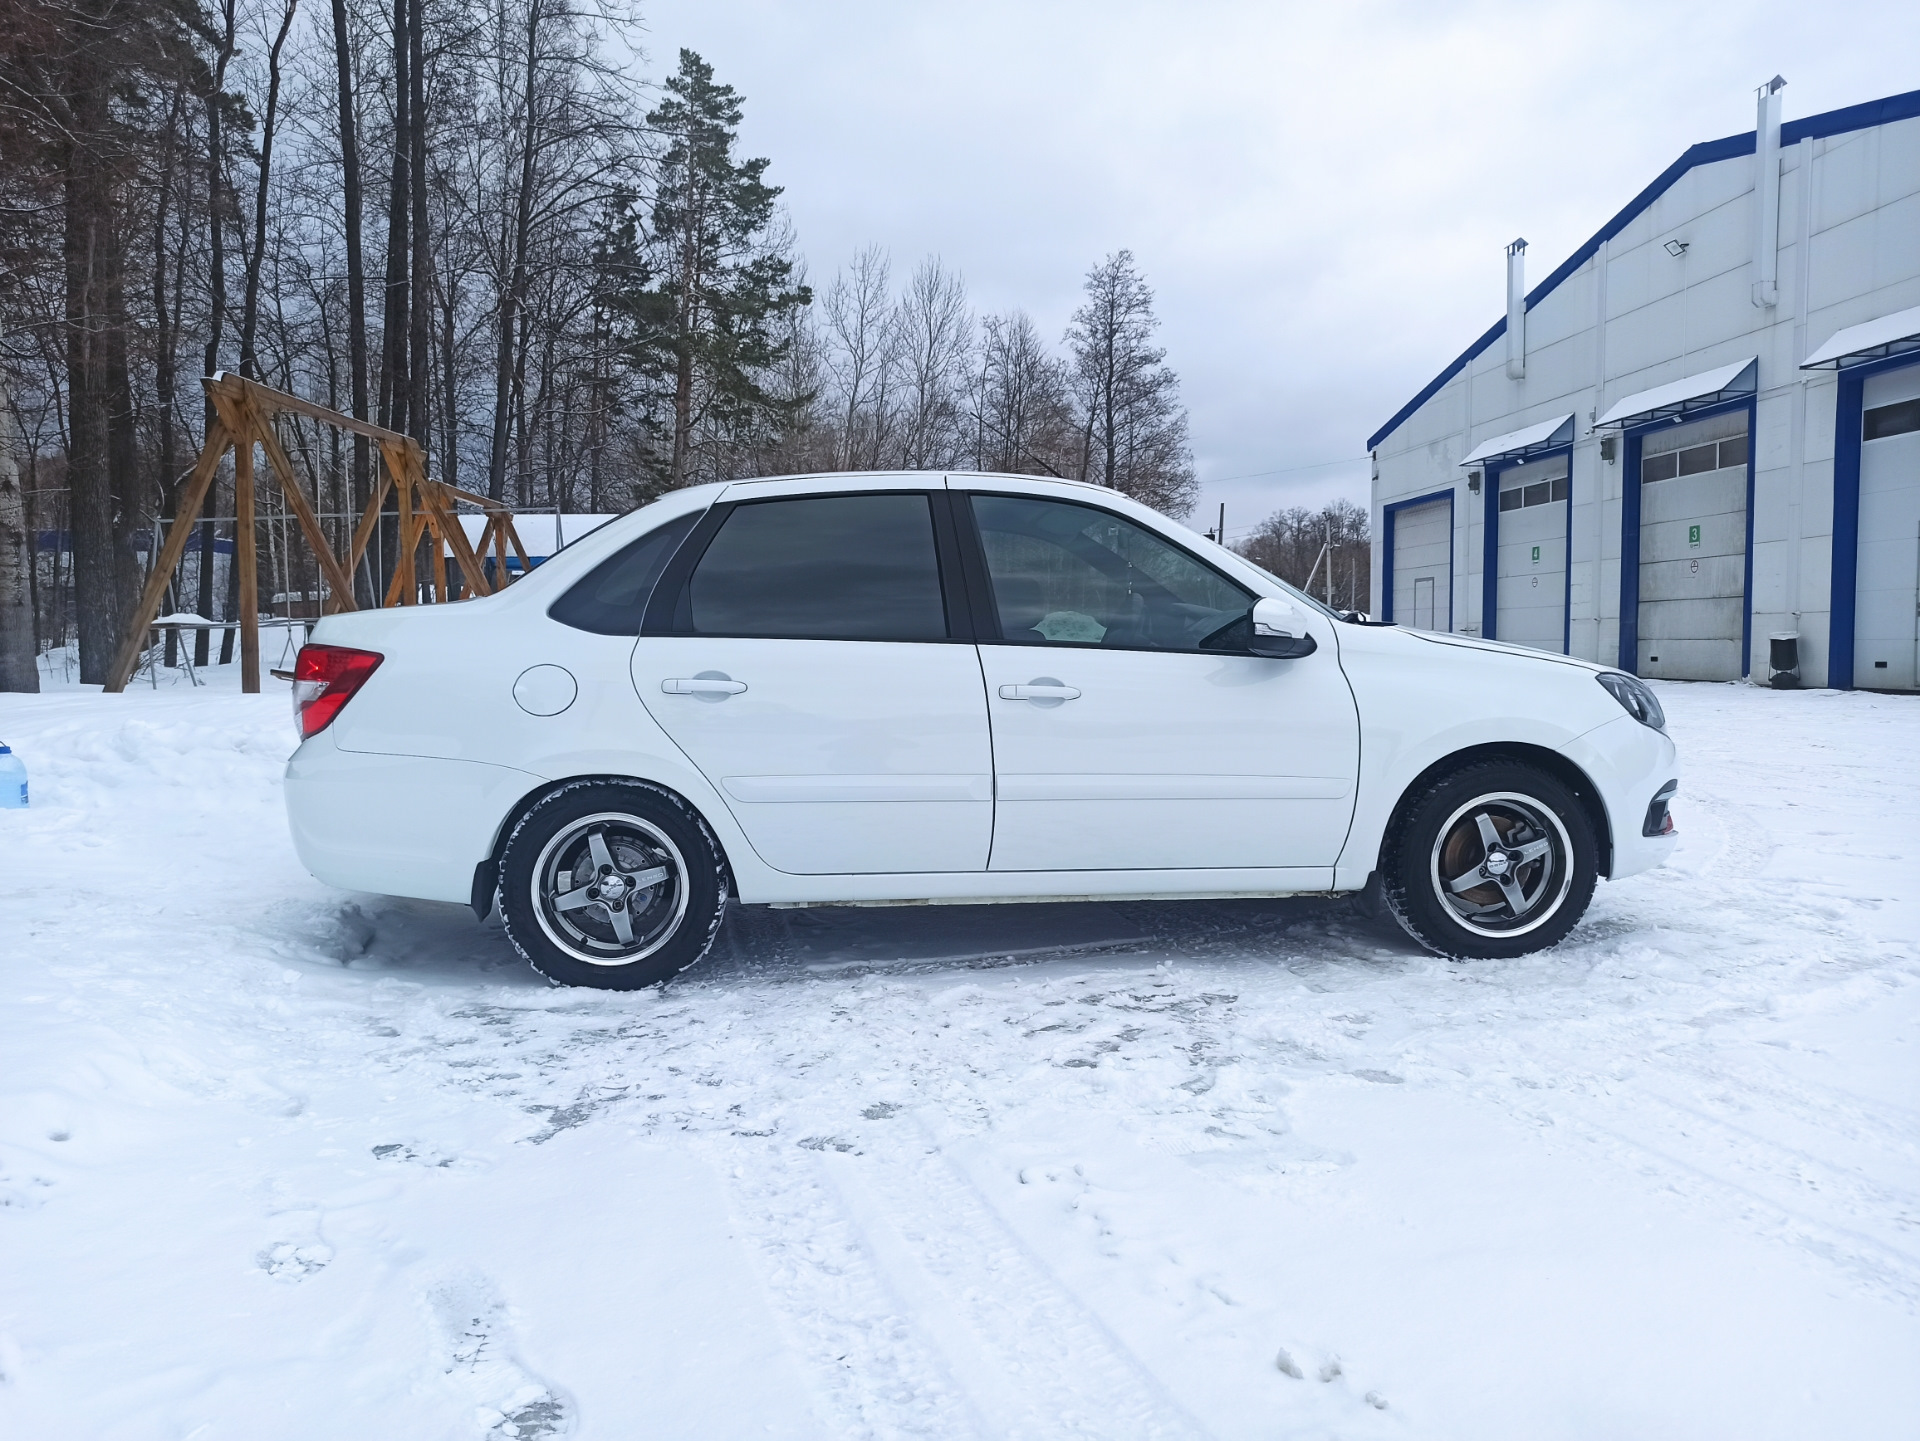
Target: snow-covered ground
[281,1162]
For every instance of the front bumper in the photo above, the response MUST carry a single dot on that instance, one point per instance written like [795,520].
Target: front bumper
[1630,764]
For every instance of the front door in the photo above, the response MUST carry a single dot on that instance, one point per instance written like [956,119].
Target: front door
[809,670]
[1131,730]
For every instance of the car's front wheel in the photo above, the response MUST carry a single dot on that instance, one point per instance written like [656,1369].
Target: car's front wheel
[1497,859]
[614,884]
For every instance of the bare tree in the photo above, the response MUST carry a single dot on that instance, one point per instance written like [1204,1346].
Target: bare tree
[860,356]
[1327,551]
[1022,414]
[1133,427]
[933,330]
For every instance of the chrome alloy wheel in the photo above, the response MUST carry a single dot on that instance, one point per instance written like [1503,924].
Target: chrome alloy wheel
[1502,864]
[610,889]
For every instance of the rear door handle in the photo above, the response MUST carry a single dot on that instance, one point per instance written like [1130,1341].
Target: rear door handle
[1039,690]
[702,685]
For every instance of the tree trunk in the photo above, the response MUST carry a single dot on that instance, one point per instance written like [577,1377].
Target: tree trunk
[356,271]
[216,311]
[19,667]
[395,373]
[87,239]
[166,354]
[250,308]
[507,365]
[420,314]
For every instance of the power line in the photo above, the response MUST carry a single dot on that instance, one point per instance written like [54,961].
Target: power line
[1285,470]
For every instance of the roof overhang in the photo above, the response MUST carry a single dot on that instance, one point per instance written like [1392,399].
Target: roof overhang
[1894,334]
[1683,397]
[1525,443]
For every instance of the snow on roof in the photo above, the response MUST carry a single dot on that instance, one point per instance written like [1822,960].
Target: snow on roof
[1875,340]
[542,535]
[1678,397]
[1547,435]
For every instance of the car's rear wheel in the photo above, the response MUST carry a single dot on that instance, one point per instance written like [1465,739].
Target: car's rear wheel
[614,884]
[1497,859]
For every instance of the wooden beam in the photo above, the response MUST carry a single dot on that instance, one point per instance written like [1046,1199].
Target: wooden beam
[506,524]
[133,640]
[470,498]
[436,494]
[271,401]
[246,557]
[383,482]
[338,581]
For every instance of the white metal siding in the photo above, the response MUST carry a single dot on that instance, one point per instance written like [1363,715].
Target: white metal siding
[1634,316]
[1887,584]
[1423,551]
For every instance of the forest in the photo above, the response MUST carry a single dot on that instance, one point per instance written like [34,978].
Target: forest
[495,229]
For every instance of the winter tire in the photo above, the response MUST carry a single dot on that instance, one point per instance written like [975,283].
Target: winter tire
[612,884]
[1497,859]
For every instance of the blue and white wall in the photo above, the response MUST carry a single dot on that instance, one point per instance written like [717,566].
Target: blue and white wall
[1625,314]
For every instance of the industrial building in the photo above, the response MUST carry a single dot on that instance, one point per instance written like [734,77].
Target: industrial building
[1693,450]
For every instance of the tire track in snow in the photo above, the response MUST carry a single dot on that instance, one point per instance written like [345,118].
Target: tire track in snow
[1042,1363]
[1675,1157]
[876,1374]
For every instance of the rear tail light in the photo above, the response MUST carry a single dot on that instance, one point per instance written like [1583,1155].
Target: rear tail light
[325,678]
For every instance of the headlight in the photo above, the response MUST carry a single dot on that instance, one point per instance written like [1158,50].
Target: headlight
[1636,697]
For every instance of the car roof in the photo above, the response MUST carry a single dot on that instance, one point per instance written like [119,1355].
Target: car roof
[966,478]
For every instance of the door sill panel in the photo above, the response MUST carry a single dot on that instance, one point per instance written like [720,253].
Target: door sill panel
[969,888]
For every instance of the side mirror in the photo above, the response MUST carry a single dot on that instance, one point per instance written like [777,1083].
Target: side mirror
[1279,631]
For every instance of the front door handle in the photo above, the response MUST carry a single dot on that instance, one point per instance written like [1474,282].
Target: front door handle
[710,684]
[1042,689]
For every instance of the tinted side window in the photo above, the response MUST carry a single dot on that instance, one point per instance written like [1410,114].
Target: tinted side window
[610,598]
[825,567]
[1066,574]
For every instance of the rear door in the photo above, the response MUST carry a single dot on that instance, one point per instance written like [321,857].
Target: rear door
[799,650]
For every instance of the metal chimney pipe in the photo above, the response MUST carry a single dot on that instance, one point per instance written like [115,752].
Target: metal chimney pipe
[1516,310]
[1766,194]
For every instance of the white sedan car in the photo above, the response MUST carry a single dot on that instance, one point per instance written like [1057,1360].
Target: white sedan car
[901,689]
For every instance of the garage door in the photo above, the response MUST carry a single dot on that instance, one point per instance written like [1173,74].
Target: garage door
[1887,596]
[1693,549]
[1423,566]
[1533,555]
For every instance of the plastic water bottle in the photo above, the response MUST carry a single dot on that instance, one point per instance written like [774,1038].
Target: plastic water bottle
[13,780]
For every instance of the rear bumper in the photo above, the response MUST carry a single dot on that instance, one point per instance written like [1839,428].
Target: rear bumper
[1630,764]
[397,825]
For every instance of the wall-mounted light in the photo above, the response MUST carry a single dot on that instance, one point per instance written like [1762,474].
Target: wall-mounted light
[1473,481]
[1677,248]
[1608,443]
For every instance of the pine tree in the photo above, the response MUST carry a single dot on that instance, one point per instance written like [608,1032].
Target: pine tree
[709,322]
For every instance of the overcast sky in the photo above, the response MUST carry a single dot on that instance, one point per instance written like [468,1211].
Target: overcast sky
[1319,194]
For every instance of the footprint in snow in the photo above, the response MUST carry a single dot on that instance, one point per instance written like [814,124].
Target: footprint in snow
[289,1262]
[395,1151]
[475,1353]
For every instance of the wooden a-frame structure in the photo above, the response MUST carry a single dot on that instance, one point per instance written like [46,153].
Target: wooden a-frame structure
[244,412]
